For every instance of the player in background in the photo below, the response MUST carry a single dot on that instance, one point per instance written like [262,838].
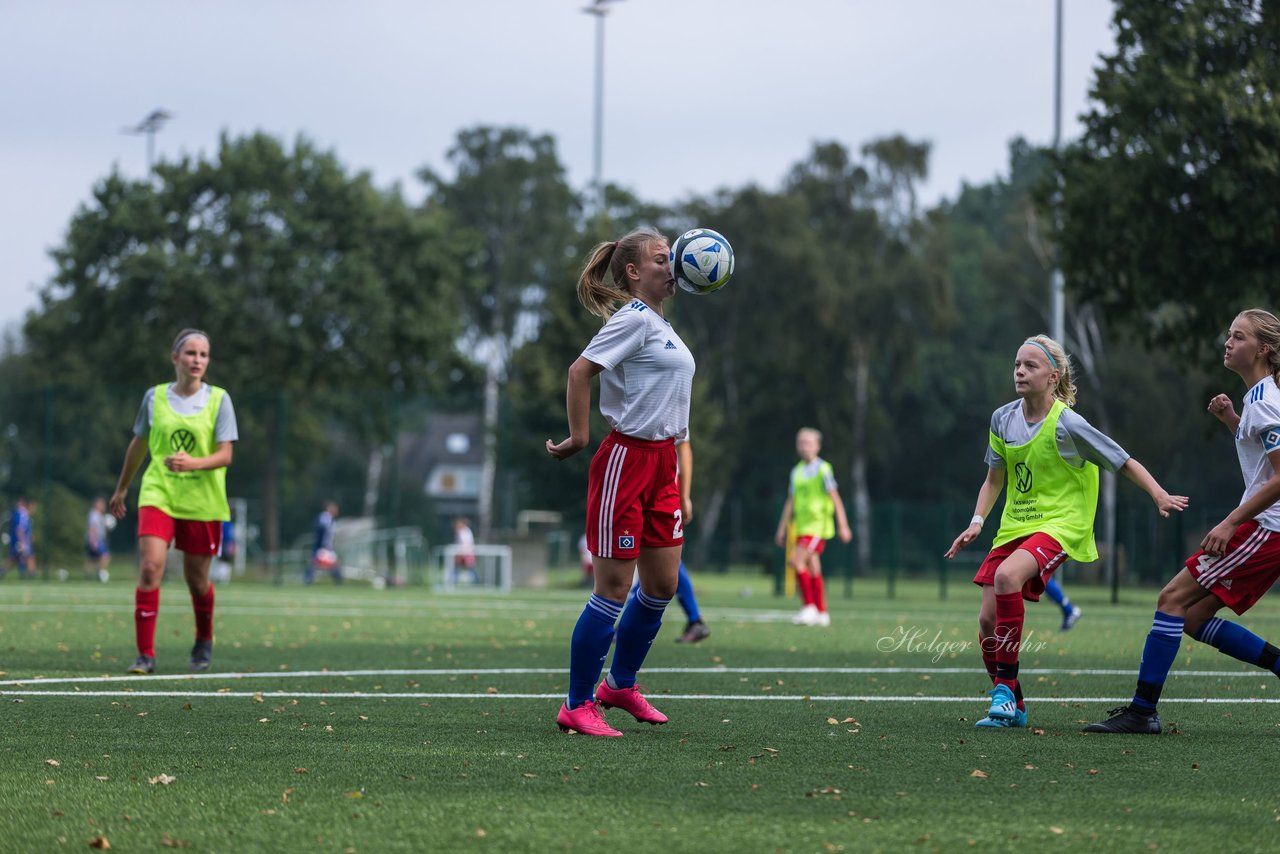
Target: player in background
[97,553]
[1050,456]
[1070,612]
[694,629]
[464,559]
[633,502]
[584,558]
[188,427]
[21,552]
[323,556]
[813,501]
[1239,559]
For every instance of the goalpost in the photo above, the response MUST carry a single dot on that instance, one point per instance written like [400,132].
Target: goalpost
[491,569]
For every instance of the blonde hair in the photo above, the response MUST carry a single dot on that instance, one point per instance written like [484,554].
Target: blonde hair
[601,297]
[189,333]
[809,431]
[1266,326]
[1065,390]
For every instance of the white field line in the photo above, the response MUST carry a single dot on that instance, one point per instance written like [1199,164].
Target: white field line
[806,698]
[525,671]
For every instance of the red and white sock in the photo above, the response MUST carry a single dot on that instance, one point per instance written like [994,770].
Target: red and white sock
[146,605]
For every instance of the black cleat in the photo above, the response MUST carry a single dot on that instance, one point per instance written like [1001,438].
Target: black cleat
[201,656]
[694,632]
[143,664]
[1127,720]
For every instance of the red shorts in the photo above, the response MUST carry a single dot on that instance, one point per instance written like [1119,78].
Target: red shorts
[1245,571]
[194,538]
[1045,549]
[632,497]
[467,561]
[812,544]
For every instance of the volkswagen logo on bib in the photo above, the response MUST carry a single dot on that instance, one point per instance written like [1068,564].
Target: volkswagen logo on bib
[1022,477]
[182,440]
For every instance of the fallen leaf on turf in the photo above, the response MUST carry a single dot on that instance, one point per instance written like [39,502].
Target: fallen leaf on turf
[267,812]
[169,842]
[1093,772]
[362,717]
[99,842]
[55,763]
[102,779]
[769,749]
[257,698]
[850,721]
[186,707]
[328,728]
[825,790]
[1029,767]
[299,770]
[264,720]
[142,714]
[163,779]
[359,794]
[1195,766]
[491,690]
[980,774]
[702,785]
[529,776]
[1056,830]
[832,721]
[481,832]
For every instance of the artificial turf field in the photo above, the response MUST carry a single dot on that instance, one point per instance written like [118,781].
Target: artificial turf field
[402,719]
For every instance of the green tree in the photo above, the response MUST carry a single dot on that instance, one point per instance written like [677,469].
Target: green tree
[509,191]
[311,282]
[1166,202]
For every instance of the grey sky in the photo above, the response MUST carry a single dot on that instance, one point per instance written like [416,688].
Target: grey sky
[700,94]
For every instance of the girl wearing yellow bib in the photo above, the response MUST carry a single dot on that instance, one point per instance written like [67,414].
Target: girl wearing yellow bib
[1050,457]
[188,428]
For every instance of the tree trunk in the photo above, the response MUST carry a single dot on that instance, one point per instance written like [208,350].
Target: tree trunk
[707,521]
[489,466]
[861,495]
[372,483]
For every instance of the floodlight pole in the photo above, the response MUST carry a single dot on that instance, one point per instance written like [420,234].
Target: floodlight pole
[600,9]
[1057,285]
[150,126]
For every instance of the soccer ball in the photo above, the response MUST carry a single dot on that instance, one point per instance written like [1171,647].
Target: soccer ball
[325,559]
[701,261]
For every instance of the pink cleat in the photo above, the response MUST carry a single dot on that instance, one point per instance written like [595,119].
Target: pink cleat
[629,700]
[585,720]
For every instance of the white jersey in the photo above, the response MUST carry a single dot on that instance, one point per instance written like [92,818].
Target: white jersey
[648,374]
[1256,436]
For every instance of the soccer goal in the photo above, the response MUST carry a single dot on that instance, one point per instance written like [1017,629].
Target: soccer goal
[479,567]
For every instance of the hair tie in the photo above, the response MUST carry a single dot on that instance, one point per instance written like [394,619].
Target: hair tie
[1043,349]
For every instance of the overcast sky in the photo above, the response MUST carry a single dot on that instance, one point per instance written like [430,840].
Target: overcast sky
[700,94]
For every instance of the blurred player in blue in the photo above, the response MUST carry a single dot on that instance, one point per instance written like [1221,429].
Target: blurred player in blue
[20,551]
[323,557]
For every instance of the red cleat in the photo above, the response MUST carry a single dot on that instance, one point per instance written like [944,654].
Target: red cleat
[585,720]
[629,700]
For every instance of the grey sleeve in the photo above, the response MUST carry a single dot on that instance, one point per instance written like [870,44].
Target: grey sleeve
[1088,443]
[142,423]
[225,429]
[991,458]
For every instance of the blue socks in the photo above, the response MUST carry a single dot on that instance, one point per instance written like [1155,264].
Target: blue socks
[1055,592]
[1238,642]
[684,594]
[590,645]
[1157,658]
[636,630]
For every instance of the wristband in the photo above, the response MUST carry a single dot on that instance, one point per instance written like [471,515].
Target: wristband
[977,520]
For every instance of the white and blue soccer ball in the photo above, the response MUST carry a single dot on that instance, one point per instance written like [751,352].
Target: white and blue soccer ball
[701,261]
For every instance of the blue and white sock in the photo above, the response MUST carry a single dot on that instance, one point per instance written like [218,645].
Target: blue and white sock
[590,646]
[1238,642]
[1055,592]
[684,594]
[636,630]
[1158,655]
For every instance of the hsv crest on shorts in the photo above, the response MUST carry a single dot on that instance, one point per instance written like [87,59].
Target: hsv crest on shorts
[627,541]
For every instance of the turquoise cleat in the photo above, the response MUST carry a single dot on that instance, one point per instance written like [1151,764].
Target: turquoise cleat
[1003,704]
[1018,721]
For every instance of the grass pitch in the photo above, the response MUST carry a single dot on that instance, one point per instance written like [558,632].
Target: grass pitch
[402,719]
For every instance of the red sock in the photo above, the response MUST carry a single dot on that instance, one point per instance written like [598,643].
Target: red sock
[819,593]
[988,656]
[805,582]
[203,606]
[1009,615]
[146,604]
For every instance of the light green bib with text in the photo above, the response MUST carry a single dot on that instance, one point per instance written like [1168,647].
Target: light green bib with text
[195,495]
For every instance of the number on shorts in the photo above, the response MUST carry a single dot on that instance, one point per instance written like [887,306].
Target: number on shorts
[677,533]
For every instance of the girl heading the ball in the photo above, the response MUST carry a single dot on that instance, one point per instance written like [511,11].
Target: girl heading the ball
[188,427]
[1050,457]
[633,500]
